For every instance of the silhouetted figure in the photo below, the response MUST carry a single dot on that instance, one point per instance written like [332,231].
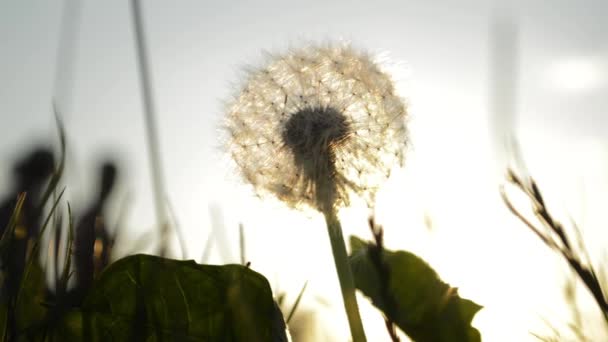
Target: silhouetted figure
[30,175]
[93,243]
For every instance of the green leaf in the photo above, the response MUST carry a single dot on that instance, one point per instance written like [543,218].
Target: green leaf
[415,298]
[148,298]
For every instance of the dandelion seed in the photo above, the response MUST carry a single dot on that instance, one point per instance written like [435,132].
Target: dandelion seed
[315,127]
[335,120]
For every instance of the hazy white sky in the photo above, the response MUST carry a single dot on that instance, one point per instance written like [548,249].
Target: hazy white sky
[439,51]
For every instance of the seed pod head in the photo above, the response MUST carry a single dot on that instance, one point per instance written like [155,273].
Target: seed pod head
[317,126]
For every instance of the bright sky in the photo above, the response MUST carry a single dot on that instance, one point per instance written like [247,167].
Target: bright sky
[440,54]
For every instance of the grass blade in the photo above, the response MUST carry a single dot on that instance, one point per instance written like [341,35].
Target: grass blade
[296,304]
[36,246]
[12,224]
[56,177]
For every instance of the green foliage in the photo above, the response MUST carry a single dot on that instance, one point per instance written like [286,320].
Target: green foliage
[423,306]
[144,297]
[137,298]
[149,298]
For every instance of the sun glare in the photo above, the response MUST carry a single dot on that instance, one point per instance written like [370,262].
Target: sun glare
[576,74]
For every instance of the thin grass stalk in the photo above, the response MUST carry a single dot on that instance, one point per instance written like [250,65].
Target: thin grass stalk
[56,245]
[296,304]
[556,238]
[242,244]
[56,232]
[65,277]
[149,111]
[66,52]
[56,177]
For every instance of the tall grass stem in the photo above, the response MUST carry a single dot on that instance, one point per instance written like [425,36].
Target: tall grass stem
[149,110]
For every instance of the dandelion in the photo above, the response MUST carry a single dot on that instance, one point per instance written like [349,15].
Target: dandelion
[316,127]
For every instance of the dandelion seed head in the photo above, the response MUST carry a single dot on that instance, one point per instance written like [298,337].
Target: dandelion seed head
[316,126]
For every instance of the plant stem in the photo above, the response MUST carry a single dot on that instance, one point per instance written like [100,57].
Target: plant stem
[149,111]
[345,276]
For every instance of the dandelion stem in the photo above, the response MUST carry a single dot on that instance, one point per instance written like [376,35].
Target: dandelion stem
[345,276]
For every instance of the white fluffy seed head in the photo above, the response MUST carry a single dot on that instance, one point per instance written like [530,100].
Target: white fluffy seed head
[316,126]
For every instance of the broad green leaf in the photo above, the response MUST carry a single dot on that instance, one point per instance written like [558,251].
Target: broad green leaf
[423,306]
[148,298]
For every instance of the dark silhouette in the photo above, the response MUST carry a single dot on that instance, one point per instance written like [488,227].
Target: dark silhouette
[92,242]
[30,175]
